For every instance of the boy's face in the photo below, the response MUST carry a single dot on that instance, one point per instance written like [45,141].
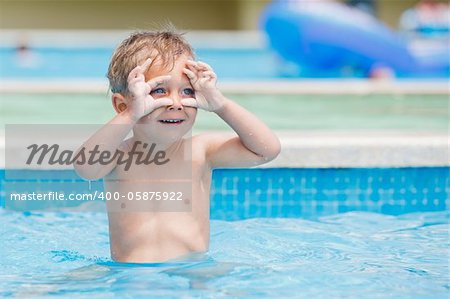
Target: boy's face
[177,88]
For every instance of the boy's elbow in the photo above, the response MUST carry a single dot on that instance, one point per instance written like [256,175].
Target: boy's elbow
[86,174]
[90,177]
[273,150]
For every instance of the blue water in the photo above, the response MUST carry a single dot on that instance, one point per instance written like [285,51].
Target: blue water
[356,254]
[85,63]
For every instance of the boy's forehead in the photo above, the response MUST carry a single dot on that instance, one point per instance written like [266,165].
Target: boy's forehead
[175,69]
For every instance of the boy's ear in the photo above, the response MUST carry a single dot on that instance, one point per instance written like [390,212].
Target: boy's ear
[119,102]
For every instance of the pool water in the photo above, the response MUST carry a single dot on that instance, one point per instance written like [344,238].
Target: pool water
[69,63]
[355,254]
[247,63]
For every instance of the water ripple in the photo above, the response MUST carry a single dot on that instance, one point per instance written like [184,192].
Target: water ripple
[345,255]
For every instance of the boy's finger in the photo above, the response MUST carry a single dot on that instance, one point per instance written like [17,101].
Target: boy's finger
[191,62]
[158,80]
[134,72]
[190,102]
[204,80]
[189,73]
[209,74]
[146,64]
[162,102]
[192,68]
[204,65]
[133,81]
[140,69]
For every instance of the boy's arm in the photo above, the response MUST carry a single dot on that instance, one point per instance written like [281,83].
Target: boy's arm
[111,135]
[255,144]
[108,138]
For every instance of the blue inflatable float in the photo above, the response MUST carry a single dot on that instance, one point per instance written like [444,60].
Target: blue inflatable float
[326,38]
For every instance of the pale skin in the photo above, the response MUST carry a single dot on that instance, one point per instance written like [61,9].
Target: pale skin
[156,94]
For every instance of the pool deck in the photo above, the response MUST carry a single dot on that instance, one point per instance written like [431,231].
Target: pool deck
[326,149]
[362,149]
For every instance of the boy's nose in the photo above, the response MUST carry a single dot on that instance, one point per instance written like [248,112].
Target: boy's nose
[176,104]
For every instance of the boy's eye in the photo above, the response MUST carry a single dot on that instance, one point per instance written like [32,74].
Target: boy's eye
[188,91]
[158,91]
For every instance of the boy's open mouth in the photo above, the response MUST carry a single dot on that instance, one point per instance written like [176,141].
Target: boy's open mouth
[171,121]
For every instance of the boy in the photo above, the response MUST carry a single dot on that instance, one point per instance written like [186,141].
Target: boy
[157,88]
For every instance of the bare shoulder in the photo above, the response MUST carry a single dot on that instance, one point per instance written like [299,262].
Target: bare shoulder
[199,145]
[207,140]
[226,150]
[223,149]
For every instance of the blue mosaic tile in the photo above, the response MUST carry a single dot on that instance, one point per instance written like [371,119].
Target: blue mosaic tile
[285,192]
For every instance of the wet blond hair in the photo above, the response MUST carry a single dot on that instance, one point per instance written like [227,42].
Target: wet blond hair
[166,44]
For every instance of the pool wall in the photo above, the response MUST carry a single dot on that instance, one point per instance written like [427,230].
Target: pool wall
[279,192]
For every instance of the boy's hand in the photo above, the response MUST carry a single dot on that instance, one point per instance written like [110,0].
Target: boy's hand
[142,103]
[203,80]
